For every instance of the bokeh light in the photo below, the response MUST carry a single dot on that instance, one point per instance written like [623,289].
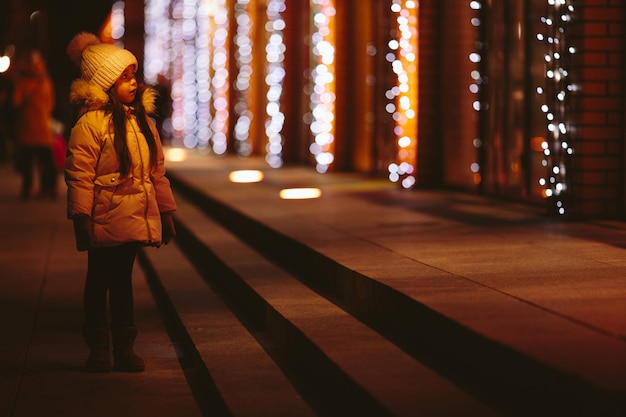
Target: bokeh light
[322,97]
[555,98]
[403,105]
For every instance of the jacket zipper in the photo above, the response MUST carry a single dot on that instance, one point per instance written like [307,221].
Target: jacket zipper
[143,182]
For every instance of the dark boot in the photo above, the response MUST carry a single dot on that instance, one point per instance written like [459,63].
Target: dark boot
[125,358]
[97,339]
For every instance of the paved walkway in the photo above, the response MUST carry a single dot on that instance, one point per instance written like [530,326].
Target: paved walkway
[552,290]
[570,273]
[42,352]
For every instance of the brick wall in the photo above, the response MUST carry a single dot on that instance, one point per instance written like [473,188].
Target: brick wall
[597,174]
[448,123]
[430,150]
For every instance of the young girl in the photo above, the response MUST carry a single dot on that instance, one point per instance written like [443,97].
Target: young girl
[118,195]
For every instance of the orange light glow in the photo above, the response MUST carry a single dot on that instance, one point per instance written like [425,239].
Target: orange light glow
[246,176]
[300,193]
[175,154]
[536,143]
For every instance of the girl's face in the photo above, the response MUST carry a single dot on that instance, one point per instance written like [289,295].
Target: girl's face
[125,87]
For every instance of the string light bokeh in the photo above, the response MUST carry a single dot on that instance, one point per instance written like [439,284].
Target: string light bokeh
[478,80]
[219,76]
[118,23]
[275,61]
[555,95]
[323,96]
[157,46]
[243,58]
[187,41]
[403,96]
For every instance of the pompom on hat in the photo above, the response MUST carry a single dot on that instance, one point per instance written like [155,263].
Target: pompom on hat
[100,63]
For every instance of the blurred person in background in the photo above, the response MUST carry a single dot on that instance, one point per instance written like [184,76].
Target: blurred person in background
[33,102]
[7,119]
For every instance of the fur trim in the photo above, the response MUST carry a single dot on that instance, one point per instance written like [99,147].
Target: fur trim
[78,44]
[148,100]
[87,94]
[91,97]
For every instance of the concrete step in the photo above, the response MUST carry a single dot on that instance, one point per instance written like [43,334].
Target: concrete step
[338,364]
[228,369]
[401,299]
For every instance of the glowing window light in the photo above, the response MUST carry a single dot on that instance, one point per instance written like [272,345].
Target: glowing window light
[322,98]
[245,176]
[300,193]
[275,74]
[556,93]
[405,94]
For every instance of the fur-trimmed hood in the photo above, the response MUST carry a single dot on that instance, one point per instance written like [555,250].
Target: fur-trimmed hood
[89,96]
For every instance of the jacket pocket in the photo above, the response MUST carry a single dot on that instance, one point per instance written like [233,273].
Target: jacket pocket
[105,188]
[109,180]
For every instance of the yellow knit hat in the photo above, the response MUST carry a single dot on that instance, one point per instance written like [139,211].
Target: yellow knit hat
[99,63]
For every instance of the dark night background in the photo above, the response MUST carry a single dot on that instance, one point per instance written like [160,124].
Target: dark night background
[49,31]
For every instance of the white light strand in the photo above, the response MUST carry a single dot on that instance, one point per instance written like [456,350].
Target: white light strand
[180,98]
[322,98]
[402,105]
[187,42]
[202,75]
[275,61]
[188,46]
[555,95]
[158,56]
[118,23]
[157,49]
[218,11]
[243,57]
[478,81]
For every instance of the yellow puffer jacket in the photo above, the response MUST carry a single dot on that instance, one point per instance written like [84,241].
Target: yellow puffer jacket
[122,209]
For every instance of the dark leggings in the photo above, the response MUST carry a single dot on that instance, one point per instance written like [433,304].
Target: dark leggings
[40,159]
[109,271]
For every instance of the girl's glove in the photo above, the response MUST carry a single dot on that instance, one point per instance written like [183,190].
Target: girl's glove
[82,232]
[169,230]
